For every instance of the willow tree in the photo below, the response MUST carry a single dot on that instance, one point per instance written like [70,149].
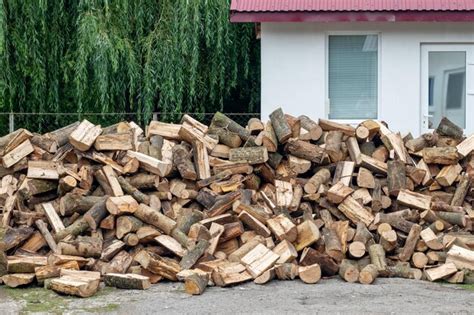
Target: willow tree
[124,56]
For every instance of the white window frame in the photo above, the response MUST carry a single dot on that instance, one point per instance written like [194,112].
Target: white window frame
[379,72]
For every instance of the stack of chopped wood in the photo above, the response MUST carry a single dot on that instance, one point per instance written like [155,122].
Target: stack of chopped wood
[225,204]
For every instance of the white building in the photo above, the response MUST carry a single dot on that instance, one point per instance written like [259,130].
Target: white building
[408,63]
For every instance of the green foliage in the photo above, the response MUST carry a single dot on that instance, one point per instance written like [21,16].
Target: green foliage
[124,56]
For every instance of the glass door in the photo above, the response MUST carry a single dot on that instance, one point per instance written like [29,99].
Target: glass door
[447,85]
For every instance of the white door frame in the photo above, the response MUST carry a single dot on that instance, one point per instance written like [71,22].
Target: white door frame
[469,50]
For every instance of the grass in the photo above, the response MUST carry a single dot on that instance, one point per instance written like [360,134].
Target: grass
[40,300]
[469,287]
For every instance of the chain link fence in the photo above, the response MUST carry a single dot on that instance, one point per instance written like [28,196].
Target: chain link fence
[45,122]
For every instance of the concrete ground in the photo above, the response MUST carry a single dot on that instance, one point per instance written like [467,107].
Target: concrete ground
[388,296]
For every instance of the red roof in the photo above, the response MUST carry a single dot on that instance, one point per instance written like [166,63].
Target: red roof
[352,10]
[350,5]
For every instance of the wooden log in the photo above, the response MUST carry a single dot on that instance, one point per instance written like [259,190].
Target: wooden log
[377,257]
[388,240]
[395,219]
[283,228]
[254,224]
[75,286]
[365,179]
[191,135]
[223,203]
[151,164]
[201,161]
[313,130]
[18,279]
[450,129]
[308,234]
[448,175]
[83,137]
[258,260]
[24,264]
[368,274]
[255,125]
[310,256]
[280,125]
[355,212]
[343,172]
[221,120]
[182,160]
[42,227]
[410,243]
[431,240]
[328,125]
[196,282]
[419,260]
[15,236]
[466,146]
[165,130]
[42,170]
[425,140]
[165,267]
[127,224]
[155,218]
[286,271]
[114,142]
[127,281]
[362,234]
[354,150]
[17,154]
[414,200]
[403,270]
[357,249]
[83,246]
[461,191]
[310,274]
[440,155]
[133,191]
[192,256]
[396,177]
[337,193]
[53,217]
[226,137]
[251,155]
[455,218]
[266,276]
[121,205]
[440,272]
[46,272]
[96,214]
[349,271]
[362,133]
[372,164]
[462,258]
[304,150]
[319,178]
[333,145]
[77,227]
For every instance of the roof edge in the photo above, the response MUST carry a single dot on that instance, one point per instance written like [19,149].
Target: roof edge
[354,16]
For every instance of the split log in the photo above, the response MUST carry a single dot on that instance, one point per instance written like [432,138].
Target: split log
[283,228]
[440,272]
[127,281]
[121,205]
[196,282]
[258,260]
[396,177]
[410,243]
[440,155]
[17,154]
[165,267]
[286,271]
[75,286]
[355,212]
[114,141]
[83,137]
[414,200]
[18,279]
[192,256]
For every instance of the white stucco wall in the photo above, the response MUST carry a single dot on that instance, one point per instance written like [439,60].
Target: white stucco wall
[294,73]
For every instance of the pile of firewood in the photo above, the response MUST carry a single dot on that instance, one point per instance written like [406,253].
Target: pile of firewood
[225,204]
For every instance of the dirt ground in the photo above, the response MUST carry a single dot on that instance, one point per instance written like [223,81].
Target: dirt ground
[388,296]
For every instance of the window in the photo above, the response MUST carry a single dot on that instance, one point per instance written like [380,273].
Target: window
[353,76]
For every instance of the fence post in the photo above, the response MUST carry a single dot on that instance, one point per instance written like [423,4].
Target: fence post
[11,122]
[155,116]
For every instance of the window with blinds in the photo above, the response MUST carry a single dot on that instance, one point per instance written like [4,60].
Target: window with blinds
[353,76]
